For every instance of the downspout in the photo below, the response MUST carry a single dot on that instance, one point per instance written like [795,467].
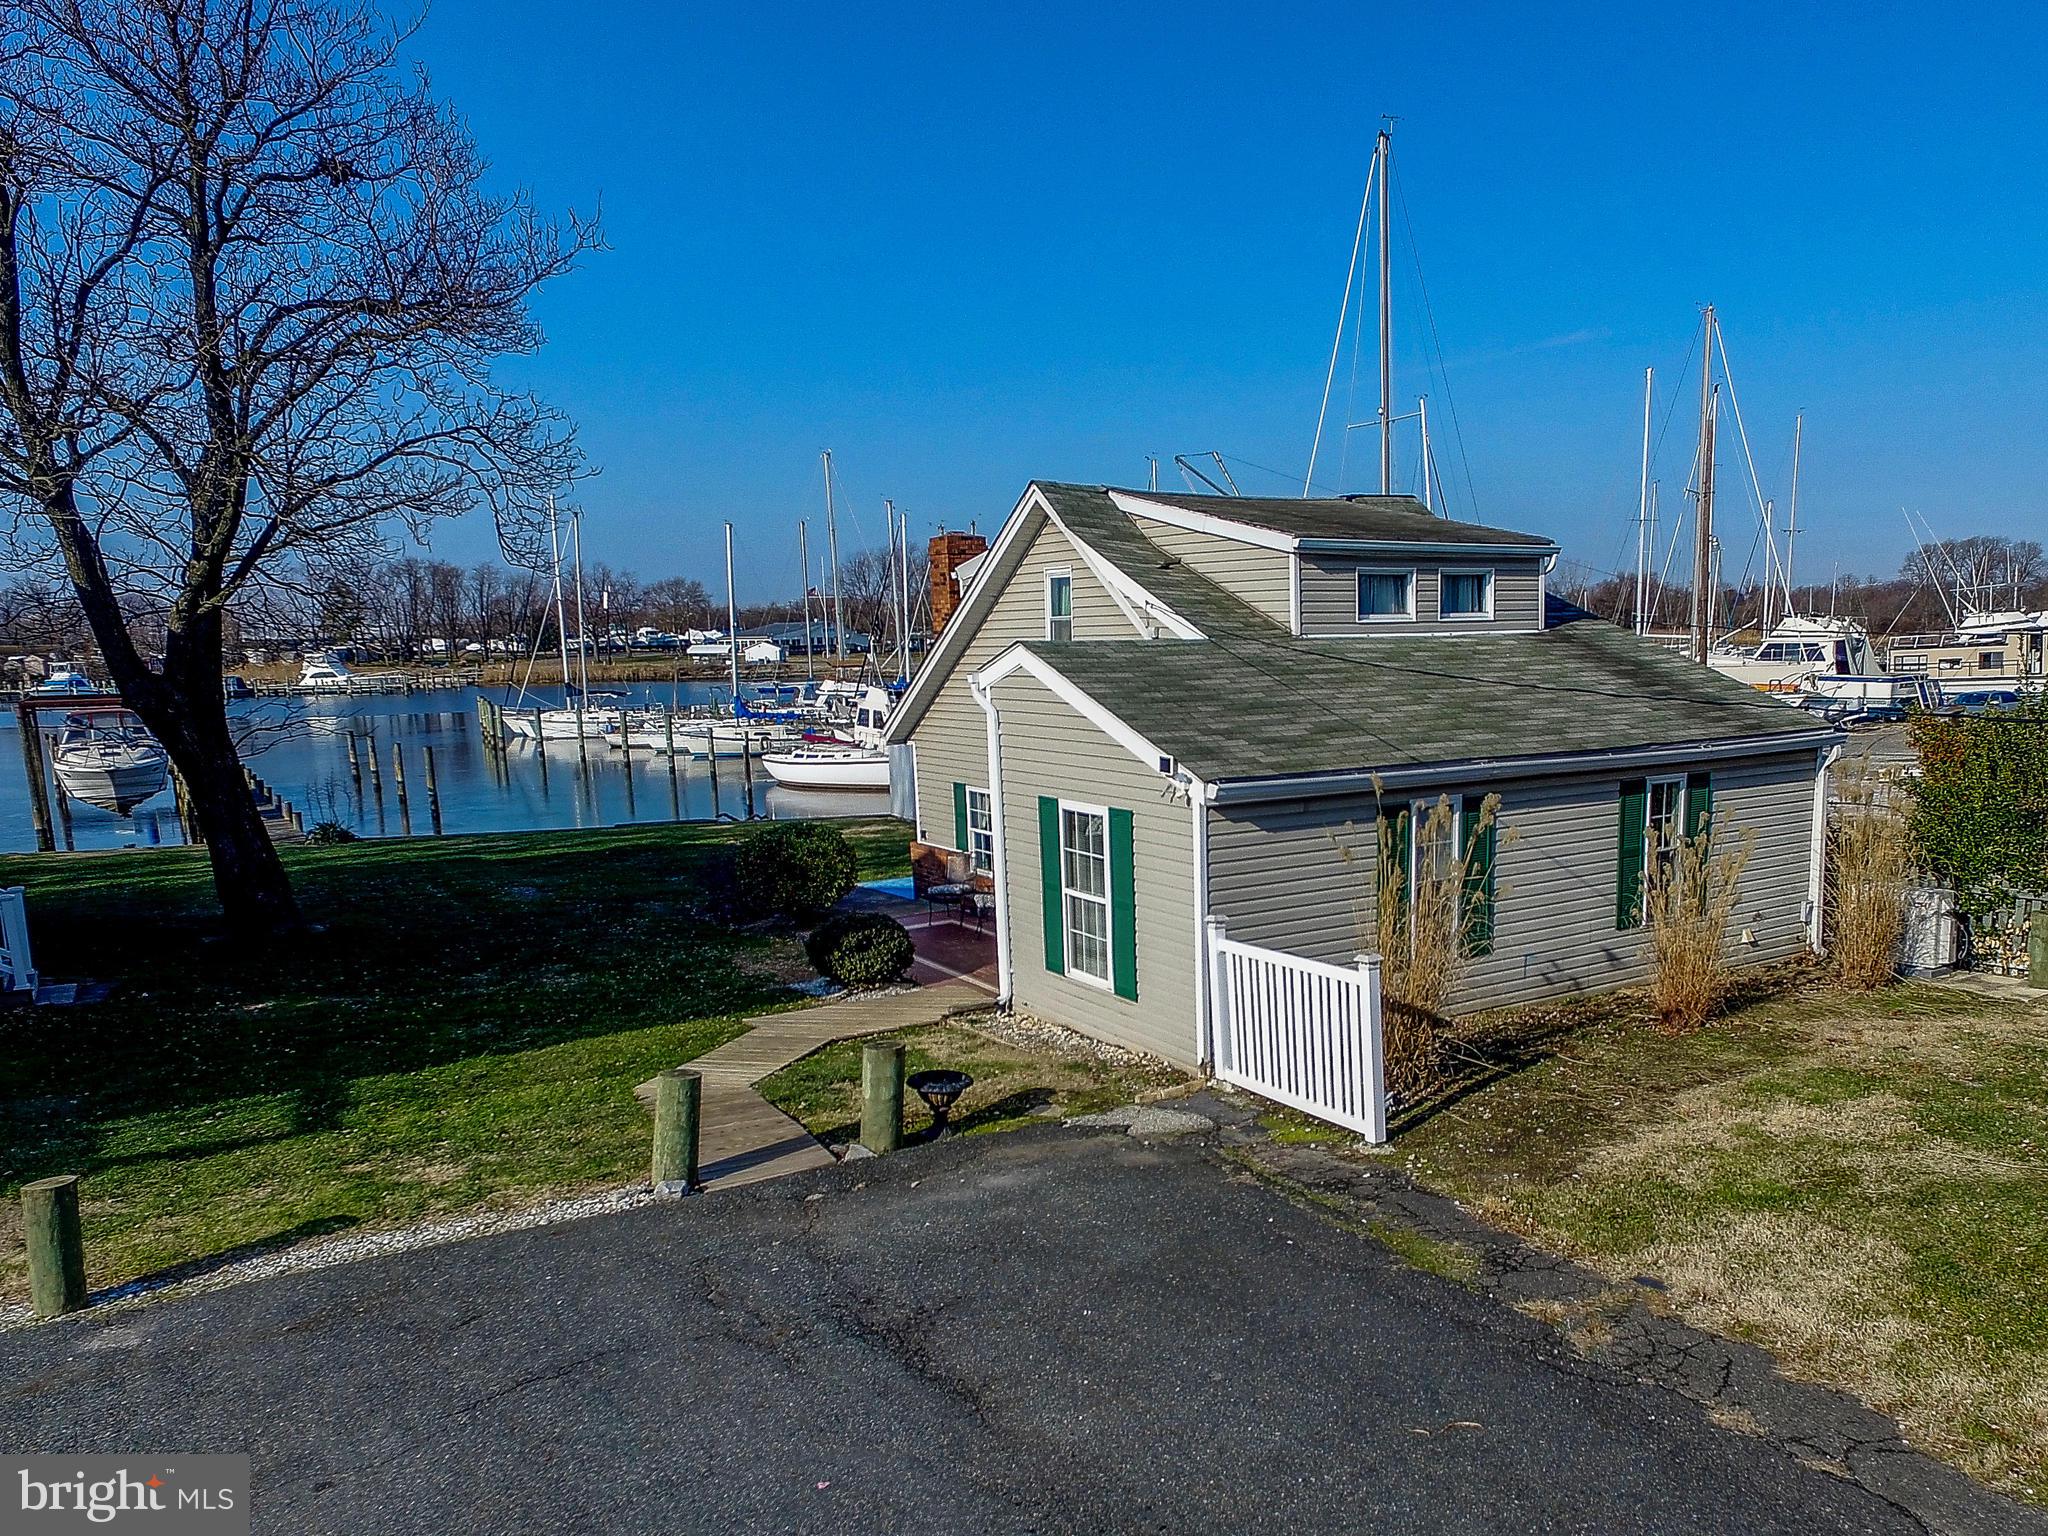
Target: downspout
[1205,1029]
[1816,872]
[999,815]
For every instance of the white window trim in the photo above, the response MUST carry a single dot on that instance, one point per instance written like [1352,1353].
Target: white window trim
[1358,594]
[1052,575]
[1418,813]
[989,805]
[1107,982]
[1650,843]
[1465,570]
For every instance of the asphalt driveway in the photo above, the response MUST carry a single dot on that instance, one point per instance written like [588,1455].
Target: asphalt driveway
[1049,1331]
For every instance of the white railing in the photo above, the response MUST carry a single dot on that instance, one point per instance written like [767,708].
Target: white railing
[1303,1032]
[17,970]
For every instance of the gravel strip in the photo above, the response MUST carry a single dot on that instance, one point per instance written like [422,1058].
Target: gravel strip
[1040,1035]
[347,1250]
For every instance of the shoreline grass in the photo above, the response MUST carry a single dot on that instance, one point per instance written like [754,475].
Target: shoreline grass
[462,1030]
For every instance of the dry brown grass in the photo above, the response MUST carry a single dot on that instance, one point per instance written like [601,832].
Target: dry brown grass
[1870,861]
[1691,901]
[1423,936]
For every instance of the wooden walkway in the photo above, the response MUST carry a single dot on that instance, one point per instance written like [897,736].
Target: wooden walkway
[742,1138]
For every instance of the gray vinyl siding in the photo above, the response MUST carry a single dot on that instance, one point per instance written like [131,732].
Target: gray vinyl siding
[952,737]
[1050,750]
[1280,876]
[1329,594]
[1262,577]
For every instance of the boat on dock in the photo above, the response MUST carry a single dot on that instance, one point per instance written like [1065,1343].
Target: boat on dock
[64,682]
[1804,657]
[105,757]
[858,760]
[325,673]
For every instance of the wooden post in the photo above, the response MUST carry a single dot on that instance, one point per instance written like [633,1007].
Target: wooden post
[181,797]
[747,764]
[540,746]
[711,758]
[38,778]
[56,1251]
[355,765]
[433,792]
[675,793]
[2037,949]
[63,804]
[376,773]
[678,1095]
[626,753]
[881,1095]
[398,783]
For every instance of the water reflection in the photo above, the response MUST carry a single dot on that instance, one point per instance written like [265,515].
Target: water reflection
[302,750]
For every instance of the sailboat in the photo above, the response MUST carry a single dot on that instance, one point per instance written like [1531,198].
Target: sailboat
[859,763]
[583,713]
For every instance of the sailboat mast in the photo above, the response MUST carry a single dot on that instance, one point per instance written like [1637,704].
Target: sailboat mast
[1422,410]
[732,622]
[903,555]
[561,618]
[1383,152]
[582,633]
[1703,524]
[832,549]
[895,591]
[803,576]
[1792,516]
[1643,513]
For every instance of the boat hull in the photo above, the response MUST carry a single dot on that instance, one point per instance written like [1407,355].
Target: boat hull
[114,786]
[828,770]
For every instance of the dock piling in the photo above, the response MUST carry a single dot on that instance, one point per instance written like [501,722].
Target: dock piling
[398,784]
[433,791]
[63,804]
[38,778]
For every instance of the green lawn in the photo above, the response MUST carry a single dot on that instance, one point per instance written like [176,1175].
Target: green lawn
[1858,1183]
[1013,1084]
[464,1030]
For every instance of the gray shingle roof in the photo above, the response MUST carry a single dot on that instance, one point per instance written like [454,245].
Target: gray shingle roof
[1398,519]
[1095,520]
[1245,707]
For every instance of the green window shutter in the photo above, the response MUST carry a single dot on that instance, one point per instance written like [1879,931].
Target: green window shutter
[960,816]
[1628,870]
[1478,911]
[1699,803]
[1123,907]
[1049,881]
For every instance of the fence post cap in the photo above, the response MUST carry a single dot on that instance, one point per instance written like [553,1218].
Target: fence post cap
[680,1073]
[55,1181]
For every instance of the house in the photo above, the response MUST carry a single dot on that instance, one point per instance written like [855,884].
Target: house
[1160,721]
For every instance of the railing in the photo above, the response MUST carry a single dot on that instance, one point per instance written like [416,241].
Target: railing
[1302,1032]
[17,970]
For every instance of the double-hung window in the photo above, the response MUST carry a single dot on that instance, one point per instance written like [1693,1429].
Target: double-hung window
[1663,831]
[1386,597]
[981,831]
[1084,892]
[1465,594]
[1059,606]
[1438,842]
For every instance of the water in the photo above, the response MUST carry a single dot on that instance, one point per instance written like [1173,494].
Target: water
[299,747]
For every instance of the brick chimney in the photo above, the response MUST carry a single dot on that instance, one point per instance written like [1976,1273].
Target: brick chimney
[949,551]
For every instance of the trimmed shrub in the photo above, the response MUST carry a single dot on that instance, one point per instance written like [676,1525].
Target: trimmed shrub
[329,834]
[860,949]
[793,869]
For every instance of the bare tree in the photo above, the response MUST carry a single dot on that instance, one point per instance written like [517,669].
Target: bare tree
[251,285]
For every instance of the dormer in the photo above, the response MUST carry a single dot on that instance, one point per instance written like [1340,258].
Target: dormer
[1353,565]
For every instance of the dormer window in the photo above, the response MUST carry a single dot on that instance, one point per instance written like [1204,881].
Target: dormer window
[1059,606]
[1467,594]
[1386,596]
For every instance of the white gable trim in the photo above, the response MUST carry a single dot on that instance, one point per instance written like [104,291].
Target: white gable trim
[1147,614]
[1202,522]
[1017,659]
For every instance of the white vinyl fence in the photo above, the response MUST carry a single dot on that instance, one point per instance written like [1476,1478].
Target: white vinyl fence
[1303,1032]
[17,969]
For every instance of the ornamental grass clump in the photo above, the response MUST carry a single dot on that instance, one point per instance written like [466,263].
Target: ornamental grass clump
[1427,927]
[1693,891]
[1870,868]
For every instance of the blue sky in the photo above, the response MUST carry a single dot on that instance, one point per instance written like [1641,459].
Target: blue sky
[968,246]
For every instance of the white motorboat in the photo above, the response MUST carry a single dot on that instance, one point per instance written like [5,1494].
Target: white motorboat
[1806,656]
[601,715]
[65,681]
[325,674]
[106,758]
